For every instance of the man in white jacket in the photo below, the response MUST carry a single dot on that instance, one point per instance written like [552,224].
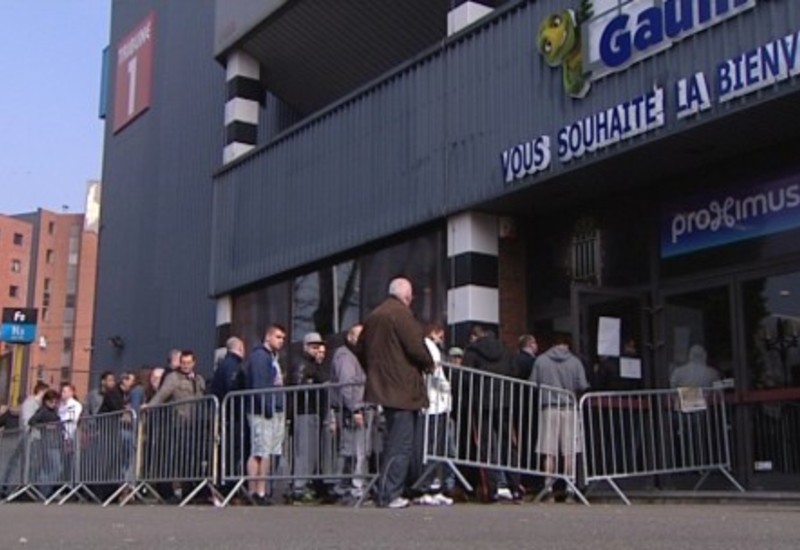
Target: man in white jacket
[436,415]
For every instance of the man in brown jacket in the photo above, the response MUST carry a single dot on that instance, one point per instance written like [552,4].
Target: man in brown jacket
[393,352]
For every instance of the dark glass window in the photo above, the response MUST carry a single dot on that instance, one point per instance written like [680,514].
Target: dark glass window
[422,260]
[254,310]
[605,244]
[772,331]
[18,239]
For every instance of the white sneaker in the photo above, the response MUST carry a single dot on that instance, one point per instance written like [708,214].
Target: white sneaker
[426,500]
[442,500]
[504,493]
[399,502]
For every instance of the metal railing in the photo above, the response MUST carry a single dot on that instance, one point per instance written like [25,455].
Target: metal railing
[507,426]
[48,466]
[655,432]
[298,436]
[13,459]
[177,444]
[106,457]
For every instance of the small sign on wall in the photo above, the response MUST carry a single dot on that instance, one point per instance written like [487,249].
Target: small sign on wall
[134,73]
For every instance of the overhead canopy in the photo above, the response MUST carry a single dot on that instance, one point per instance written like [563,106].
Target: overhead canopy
[312,52]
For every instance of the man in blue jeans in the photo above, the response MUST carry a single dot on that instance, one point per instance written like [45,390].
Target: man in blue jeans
[393,352]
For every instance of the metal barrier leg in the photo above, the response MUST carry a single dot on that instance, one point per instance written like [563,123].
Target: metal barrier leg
[618,491]
[703,479]
[29,490]
[121,489]
[733,480]
[235,491]
[577,492]
[137,493]
[459,476]
[367,490]
[55,495]
[76,492]
[727,476]
[202,485]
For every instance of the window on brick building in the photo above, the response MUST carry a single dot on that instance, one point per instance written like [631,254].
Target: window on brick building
[51,228]
[70,300]
[45,314]
[66,374]
[49,256]
[46,299]
[67,344]
[18,239]
[13,291]
[47,284]
[16,266]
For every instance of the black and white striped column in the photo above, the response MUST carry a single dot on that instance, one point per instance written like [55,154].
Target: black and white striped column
[464,13]
[472,295]
[245,94]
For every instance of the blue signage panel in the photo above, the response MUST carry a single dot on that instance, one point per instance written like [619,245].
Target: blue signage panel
[729,216]
[18,325]
[17,334]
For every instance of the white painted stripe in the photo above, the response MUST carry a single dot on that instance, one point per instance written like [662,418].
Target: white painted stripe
[234,150]
[473,303]
[244,110]
[241,64]
[224,310]
[465,15]
[472,232]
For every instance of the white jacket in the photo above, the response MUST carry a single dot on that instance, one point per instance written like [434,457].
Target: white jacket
[439,395]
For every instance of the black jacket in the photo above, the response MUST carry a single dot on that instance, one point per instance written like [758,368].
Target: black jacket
[524,364]
[304,373]
[228,377]
[49,425]
[113,401]
[489,355]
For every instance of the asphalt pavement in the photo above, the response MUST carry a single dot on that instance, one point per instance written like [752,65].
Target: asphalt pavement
[496,527]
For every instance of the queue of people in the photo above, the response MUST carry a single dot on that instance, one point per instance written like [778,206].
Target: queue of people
[367,407]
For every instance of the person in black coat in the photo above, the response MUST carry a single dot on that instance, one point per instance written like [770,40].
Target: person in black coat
[498,400]
[47,424]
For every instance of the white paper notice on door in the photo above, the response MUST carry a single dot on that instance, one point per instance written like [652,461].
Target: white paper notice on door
[608,336]
[630,367]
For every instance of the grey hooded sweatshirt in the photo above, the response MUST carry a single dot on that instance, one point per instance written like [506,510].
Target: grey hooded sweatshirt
[558,368]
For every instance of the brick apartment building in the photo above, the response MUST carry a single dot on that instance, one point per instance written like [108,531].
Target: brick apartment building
[48,262]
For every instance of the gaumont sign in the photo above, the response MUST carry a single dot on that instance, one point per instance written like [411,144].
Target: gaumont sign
[601,37]
[134,73]
[633,31]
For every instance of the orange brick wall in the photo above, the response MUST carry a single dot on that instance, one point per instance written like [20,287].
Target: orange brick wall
[48,360]
[9,252]
[84,316]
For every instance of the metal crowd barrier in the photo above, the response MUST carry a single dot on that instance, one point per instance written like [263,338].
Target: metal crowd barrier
[655,432]
[48,465]
[507,426]
[177,444]
[301,437]
[106,457]
[13,453]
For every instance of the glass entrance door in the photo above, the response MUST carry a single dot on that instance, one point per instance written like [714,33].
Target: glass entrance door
[611,333]
[771,398]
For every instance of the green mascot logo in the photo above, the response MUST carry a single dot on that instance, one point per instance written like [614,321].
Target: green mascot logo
[559,42]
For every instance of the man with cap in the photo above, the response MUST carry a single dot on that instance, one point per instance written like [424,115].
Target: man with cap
[455,355]
[308,412]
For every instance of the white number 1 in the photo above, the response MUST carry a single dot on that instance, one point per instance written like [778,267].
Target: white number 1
[132,85]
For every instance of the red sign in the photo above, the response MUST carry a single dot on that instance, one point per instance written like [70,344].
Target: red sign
[134,73]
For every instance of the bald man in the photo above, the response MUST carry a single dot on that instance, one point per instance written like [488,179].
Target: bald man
[393,353]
